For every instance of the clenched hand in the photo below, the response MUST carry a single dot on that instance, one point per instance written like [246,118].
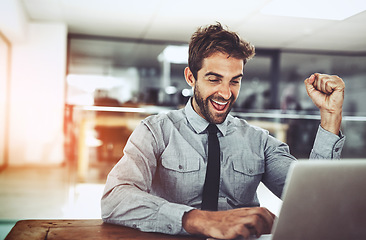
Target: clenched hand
[327,93]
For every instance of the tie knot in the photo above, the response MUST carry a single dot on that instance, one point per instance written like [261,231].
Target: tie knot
[212,128]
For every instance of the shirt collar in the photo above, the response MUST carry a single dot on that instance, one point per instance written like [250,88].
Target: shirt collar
[200,124]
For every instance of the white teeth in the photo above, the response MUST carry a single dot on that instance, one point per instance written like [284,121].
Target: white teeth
[220,103]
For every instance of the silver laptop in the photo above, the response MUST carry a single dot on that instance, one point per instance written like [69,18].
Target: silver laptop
[323,200]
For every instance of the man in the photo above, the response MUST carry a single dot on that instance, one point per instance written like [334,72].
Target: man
[158,184]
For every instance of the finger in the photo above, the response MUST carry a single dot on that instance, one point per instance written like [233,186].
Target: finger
[264,213]
[254,224]
[259,226]
[273,216]
[326,84]
[260,220]
[312,78]
[309,84]
[336,83]
[244,232]
[318,83]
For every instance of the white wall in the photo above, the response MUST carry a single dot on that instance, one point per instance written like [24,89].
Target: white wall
[13,24]
[13,21]
[37,85]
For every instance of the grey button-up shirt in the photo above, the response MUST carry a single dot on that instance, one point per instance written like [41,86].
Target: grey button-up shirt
[162,172]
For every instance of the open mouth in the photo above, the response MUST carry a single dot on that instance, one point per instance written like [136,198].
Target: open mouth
[219,106]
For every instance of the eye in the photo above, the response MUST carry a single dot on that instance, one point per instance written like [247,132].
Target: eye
[213,80]
[235,82]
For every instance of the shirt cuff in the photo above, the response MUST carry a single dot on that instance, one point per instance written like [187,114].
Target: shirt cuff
[172,214]
[327,145]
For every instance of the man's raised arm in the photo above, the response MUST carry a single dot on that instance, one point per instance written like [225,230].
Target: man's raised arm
[327,93]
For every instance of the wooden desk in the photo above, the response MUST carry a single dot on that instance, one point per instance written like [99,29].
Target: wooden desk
[81,229]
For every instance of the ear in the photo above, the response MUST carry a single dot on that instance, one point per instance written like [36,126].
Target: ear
[189,77]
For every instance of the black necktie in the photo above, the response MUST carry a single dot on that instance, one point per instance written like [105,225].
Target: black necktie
[210,193]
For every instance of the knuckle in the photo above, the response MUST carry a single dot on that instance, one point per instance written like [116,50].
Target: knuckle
[244,231]
[263,210]
[256,219]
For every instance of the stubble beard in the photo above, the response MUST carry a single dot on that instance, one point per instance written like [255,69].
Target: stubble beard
[204,108]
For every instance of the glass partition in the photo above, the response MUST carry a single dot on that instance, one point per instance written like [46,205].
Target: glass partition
[112,84]
[107,72]
[298,130]
[351,67]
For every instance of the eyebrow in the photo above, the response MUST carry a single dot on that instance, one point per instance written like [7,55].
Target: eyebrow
[213,74]
[220,76]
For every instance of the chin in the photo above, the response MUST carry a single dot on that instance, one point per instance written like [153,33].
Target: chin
[218,119]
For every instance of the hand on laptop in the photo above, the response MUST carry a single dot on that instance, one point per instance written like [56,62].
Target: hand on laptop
[327,93]
[229,224]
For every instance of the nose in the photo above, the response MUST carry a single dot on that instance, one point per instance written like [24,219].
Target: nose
[225,91]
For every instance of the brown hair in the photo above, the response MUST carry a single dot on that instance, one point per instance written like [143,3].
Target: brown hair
[214,38]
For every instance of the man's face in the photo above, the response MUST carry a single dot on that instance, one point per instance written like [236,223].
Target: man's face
[216,87]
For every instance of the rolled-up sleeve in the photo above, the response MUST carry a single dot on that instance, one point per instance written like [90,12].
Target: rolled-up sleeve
[327,145]
[127,198]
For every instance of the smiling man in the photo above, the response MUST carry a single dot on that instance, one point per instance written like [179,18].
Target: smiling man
[196,170]
[218,86]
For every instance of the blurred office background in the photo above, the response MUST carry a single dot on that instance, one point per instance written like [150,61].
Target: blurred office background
[77,76]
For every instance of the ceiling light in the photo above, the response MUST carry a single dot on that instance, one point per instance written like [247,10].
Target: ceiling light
[89,83]
[170,90]
[174,54]
[316,9]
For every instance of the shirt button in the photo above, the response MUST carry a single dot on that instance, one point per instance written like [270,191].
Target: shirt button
[251,171]
[134,225]
[337,149]
[169,226]
[180,167]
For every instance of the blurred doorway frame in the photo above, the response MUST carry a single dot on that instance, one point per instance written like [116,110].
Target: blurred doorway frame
[4,158]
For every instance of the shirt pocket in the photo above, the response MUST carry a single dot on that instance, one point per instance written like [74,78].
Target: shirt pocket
[180,176]
[247,176]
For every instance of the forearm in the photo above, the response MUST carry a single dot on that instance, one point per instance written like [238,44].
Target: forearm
[129,206]
[190,223]
[129,197]
[331,121]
